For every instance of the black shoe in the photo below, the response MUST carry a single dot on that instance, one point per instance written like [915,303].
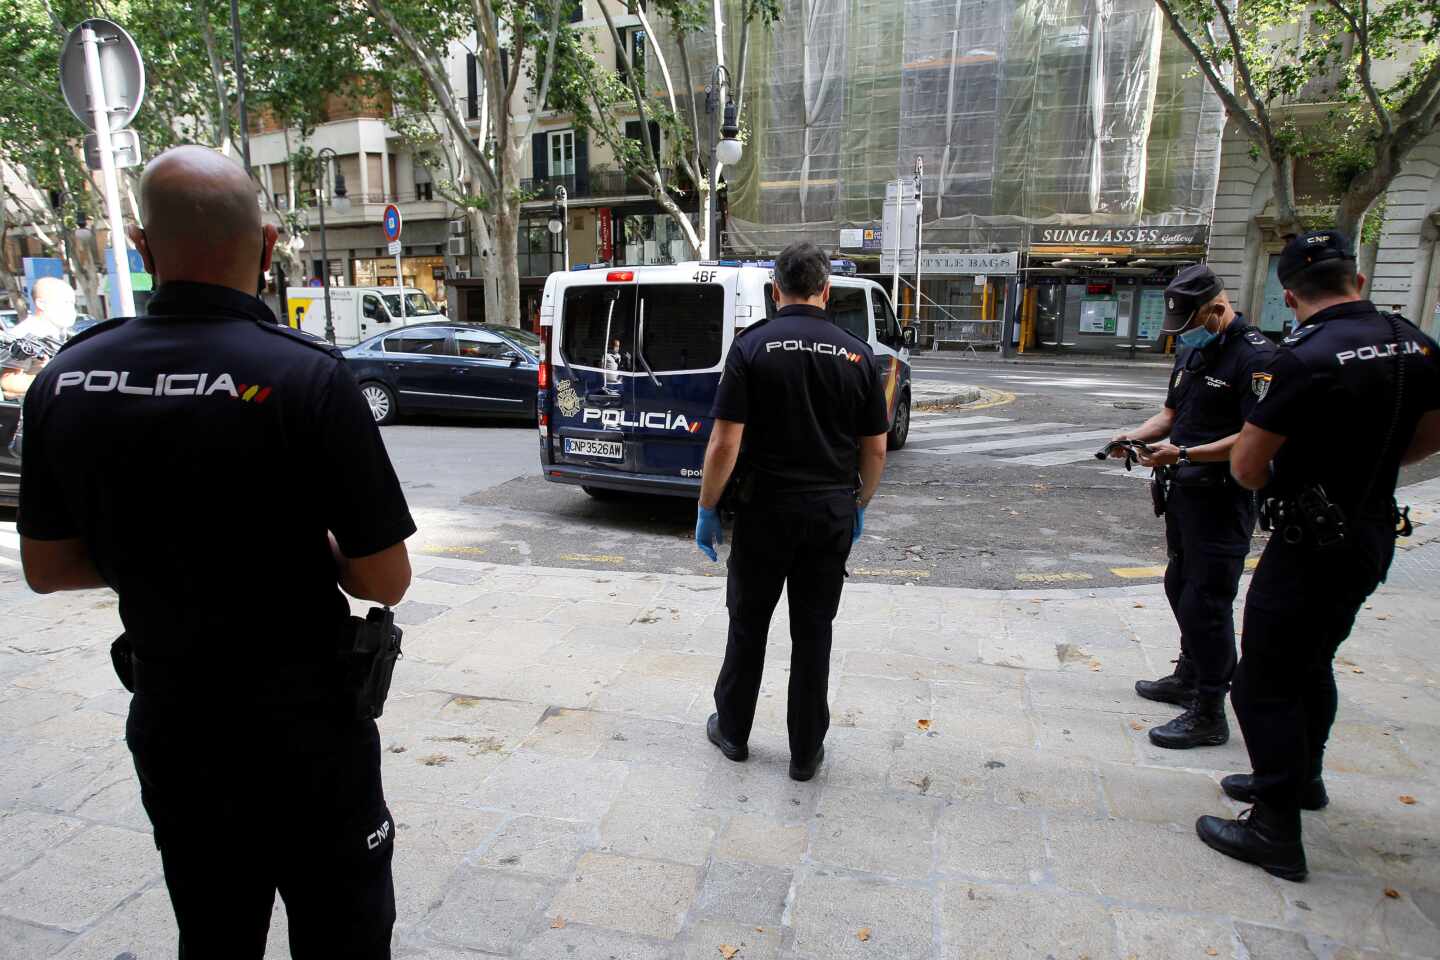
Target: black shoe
[1258,837]
[803,772]
[1201,725]
[732,751]
[1240,786]
[1178,688]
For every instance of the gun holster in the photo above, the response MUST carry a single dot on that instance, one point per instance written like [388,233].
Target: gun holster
[122,658]
[1160,489]
[374,648]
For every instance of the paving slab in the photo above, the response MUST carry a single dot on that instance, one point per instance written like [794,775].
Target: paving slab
[988,788]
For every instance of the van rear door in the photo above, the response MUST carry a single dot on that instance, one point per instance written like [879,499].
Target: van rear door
[592,355]
[681,334]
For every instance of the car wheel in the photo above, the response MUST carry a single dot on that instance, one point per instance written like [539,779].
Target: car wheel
[380,401]
[900,431]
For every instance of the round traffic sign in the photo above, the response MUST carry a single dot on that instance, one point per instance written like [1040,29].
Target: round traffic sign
[121,70]
[391,223]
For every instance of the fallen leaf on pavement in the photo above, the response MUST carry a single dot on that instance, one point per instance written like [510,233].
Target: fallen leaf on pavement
[1408,800]
[759,929]
[1136,725]
[728,952]
[1139,606]
[922,724]
[557,924]
[1392,893]
[1357,670]
[864,935]
[1211,952]
[1094,664]
[1382,616]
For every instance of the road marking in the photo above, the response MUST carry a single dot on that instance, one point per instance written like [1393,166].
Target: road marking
[452,549]
[8,539]
[1053,577]
[897,572]
[945,421]
[1052,458]
[1017,442]
[591,558]
[1116,394]
[1138,573]
[1011,430]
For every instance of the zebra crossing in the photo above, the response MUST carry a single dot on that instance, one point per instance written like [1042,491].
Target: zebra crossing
[1046,444]
[9,545]
[1102,387]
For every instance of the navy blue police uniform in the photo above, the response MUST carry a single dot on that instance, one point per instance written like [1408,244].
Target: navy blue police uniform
[1331,391]
[203,455]
[806,391]
[1210,519]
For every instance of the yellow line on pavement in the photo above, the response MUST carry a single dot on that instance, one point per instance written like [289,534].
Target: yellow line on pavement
[440,548]
[896,572]
[1000,398]
[1141,573]
[1052,577]
[589,558]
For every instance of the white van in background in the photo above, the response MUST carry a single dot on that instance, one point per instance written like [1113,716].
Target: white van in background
[360,312]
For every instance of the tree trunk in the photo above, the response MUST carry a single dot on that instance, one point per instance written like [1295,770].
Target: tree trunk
[507,252]
[1287,218]
[9,281]
[84,253]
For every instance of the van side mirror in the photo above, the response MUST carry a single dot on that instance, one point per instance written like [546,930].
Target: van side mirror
[909,335]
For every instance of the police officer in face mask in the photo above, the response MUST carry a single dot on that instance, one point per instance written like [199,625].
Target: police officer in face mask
[1209,519]
[1349,397]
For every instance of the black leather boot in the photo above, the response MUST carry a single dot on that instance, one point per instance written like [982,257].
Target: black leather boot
[1262,835]
[805,771]
[732,751]
[1178,688]
[1201,725]
[1241,786]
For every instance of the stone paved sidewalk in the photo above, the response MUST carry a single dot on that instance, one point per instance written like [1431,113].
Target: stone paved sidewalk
[989,791]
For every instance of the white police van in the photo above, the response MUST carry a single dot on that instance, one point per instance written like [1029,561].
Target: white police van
[633,357]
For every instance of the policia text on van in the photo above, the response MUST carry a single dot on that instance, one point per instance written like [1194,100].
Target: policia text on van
[633,360]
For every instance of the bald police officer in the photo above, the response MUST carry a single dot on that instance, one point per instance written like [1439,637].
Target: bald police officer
[156,450]
[1351,395]
[1209,519]
[801,405]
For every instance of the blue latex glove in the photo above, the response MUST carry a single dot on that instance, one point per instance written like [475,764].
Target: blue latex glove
[708,533]
[859,525]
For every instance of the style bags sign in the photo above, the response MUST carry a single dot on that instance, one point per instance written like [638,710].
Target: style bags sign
[940,262]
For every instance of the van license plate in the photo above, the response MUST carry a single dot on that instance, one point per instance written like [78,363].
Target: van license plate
[604,449]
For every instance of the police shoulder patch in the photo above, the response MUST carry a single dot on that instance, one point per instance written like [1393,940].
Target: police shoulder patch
[1260,384]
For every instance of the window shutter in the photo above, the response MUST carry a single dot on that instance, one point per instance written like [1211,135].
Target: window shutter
[472,88]
[582,163]
[540,155]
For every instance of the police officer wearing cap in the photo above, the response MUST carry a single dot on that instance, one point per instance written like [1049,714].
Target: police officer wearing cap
[1350,396]
[224,476]
[1209,519]
[801,408]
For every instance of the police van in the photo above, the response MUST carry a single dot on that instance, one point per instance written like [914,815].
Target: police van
[633,357]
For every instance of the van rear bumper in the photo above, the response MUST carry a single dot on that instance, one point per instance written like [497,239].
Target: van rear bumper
[628,482]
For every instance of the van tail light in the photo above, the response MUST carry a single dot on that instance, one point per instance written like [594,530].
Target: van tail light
[543,373]
[620,276]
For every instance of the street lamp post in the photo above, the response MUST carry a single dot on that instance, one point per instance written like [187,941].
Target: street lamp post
[559,220]
[323,159]
[728,149]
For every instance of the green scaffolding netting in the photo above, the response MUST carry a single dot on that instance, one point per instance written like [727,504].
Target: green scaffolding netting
[1024,112]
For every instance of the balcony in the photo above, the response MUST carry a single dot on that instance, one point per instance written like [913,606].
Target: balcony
[602,182]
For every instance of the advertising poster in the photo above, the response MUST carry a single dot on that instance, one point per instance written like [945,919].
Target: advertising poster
[1098,316]
[1152,314]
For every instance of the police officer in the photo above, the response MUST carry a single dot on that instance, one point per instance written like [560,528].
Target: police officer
[1209,519]
[1351,395]
[801,407]
[181,458]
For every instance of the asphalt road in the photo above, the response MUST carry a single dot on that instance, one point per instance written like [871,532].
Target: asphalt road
[1000,494]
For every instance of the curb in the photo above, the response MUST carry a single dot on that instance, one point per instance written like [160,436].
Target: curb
[1096,363]
[944,395]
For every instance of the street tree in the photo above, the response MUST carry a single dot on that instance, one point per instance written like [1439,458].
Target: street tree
[502,35]
[1263,58]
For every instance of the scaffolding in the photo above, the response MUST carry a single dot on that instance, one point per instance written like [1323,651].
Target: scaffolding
[1024,111]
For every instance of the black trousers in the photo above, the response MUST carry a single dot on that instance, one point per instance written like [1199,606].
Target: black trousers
[1301,606]
[241,810]
[803,545]
[1207,533]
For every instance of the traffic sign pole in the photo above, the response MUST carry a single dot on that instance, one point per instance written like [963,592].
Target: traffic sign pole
[122,300]
[390,225]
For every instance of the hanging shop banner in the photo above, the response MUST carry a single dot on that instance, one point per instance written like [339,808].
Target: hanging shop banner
[607,234]
[1193,235]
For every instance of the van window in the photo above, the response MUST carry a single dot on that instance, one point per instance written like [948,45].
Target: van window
[849,311]
[372,309]
[594,317]
[887,328]
[683,324]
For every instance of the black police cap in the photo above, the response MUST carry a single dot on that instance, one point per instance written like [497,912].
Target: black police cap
[1191,289]
[1312,248]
